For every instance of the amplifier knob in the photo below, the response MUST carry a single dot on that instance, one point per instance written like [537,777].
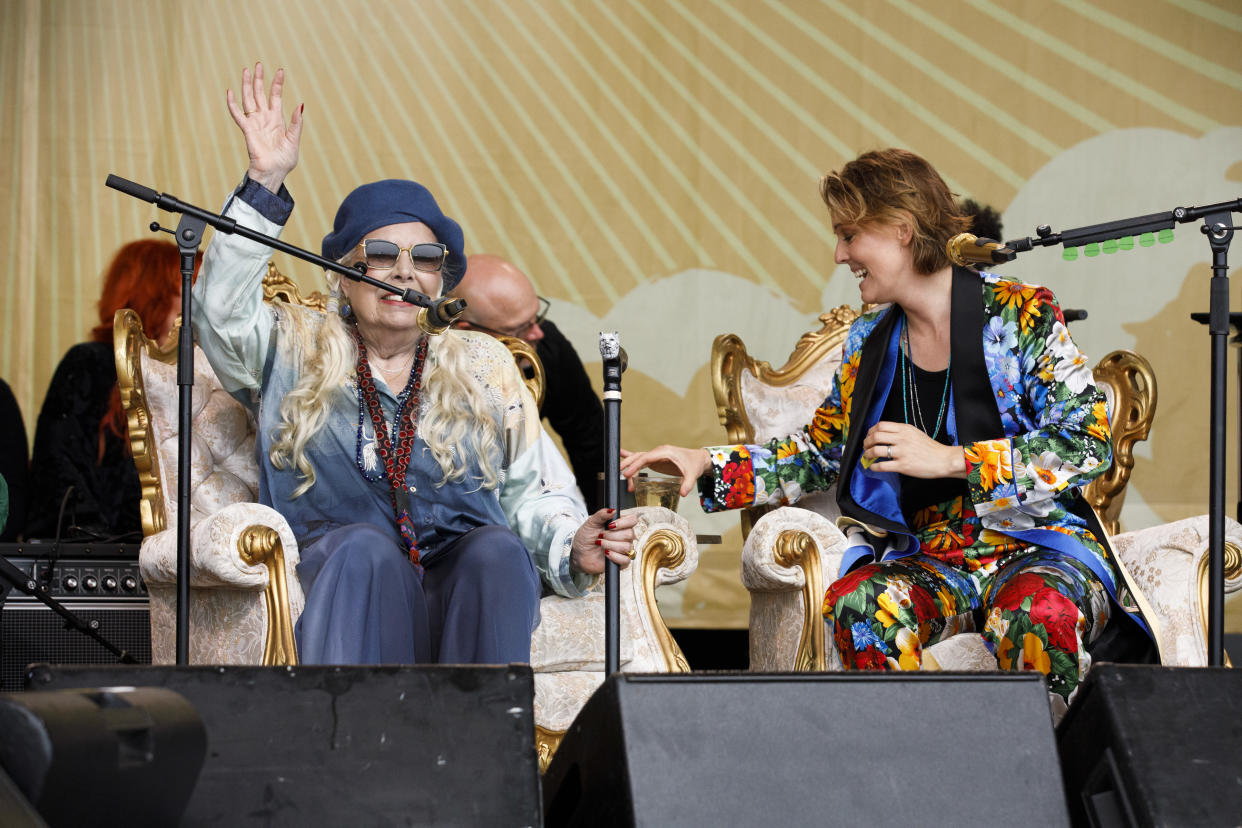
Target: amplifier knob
[128,583]
[90,583]
[109,583]
[70,583]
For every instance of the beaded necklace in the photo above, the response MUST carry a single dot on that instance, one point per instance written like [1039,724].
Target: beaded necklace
[401,436]
[911,408]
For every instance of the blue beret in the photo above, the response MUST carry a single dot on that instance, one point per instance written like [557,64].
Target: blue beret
[394,201]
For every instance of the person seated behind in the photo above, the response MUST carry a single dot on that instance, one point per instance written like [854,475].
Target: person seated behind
[501,301]
[400,460]
[81,454]
[14,464]
[985,222]
[962,425]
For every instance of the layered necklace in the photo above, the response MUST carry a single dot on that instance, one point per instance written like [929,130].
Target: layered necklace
[395,444]
[911,408]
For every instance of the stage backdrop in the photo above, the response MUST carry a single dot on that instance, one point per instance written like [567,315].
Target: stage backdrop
[652,165]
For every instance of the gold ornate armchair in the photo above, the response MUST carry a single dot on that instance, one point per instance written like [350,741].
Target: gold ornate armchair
[244,590]
[792,553]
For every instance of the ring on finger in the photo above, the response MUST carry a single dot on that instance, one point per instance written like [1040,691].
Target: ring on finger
[890,452]
[630,553]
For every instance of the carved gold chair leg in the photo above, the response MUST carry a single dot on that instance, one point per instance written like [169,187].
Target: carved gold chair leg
[261,545]
[546,743]
[664,550]
[1233,568]
[795,548]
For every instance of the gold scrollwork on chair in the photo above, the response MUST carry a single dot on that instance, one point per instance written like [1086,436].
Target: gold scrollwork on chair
[261,545]
[1233,570]
[129,344]
[730,359]
[663,550]
[797,548]
[546,743]
[279,287]
[1133,382]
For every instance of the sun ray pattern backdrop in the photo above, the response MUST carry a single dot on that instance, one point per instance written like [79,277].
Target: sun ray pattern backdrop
[651,164]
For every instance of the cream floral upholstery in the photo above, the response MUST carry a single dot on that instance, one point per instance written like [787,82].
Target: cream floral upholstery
[244,590]
[245,595]
[791,553]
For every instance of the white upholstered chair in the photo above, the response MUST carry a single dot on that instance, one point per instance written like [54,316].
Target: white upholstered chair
[792,553]
[245,596]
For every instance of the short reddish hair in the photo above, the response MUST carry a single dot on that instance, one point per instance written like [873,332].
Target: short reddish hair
[146,277]
[892,186]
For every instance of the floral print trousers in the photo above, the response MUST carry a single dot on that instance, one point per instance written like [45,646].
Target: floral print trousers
[1036,609]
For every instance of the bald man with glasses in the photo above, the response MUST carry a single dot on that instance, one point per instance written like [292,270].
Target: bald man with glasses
[501,301]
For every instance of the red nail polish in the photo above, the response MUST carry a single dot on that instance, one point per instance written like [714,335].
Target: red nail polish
[600,535]
[599,543]
[612,526]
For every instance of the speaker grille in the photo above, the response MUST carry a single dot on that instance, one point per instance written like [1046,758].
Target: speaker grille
[32,633]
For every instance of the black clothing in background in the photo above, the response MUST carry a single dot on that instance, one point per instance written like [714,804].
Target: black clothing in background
[573,411]
[14,458]
[104,501]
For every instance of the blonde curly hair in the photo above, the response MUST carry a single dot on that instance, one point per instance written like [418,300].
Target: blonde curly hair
[455,419]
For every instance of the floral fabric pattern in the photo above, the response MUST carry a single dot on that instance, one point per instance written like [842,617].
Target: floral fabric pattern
[1036,610]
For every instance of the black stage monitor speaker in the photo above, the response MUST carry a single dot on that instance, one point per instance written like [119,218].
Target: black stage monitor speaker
[809,749]
[1155,746]
[318,745]
[104,756]
[106,591]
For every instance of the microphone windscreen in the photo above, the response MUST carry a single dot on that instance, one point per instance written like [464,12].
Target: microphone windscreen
[131,189]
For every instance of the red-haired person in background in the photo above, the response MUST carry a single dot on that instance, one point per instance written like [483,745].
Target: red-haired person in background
[81,451]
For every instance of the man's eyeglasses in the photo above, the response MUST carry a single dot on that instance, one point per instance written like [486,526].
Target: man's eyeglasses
[517,332]
[381,254]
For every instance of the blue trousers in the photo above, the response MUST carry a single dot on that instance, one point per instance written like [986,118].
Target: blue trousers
[478,601]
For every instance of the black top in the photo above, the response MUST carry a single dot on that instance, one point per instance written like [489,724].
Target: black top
[573,411]
[105,496]
[916,492]
[14,458]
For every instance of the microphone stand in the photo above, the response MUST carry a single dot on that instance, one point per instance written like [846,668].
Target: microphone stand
[614,364]
[189,234]
[1219,230]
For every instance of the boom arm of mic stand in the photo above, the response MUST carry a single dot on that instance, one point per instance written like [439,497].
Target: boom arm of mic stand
[227,225]
[1154,222]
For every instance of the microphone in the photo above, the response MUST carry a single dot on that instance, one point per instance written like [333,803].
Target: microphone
[436,317]
[1074,315]
[968,249]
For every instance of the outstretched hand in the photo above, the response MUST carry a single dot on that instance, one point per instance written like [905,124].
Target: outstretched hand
[689,463]
[271,144]
[602,538]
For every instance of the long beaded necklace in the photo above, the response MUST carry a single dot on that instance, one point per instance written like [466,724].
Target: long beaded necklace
[395,447]
[911,408]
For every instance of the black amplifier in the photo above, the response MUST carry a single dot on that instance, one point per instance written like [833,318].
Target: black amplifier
[106,592]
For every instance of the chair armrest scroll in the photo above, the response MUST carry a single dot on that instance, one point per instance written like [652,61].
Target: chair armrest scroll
[666,552]
[787,562]
[216,558]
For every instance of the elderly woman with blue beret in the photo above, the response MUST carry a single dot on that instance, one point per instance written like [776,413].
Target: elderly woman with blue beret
[410,467]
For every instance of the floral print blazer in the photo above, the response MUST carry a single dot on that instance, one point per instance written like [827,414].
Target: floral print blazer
[1045,434]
